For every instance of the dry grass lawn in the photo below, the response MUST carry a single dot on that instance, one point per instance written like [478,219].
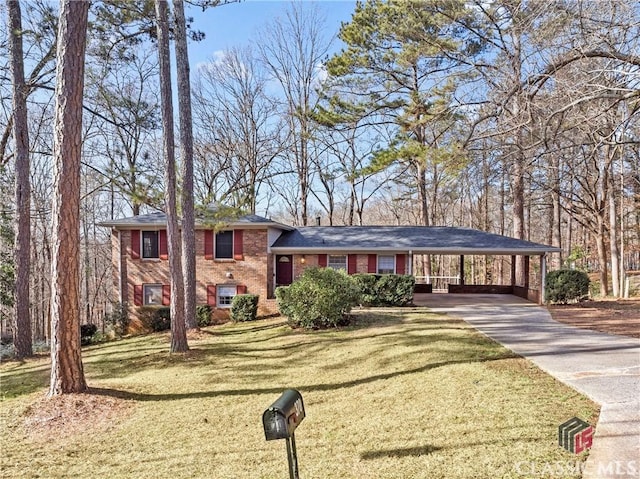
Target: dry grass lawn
[402,394]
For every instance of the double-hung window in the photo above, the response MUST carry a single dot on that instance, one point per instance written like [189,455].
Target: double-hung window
[225,295]
[337,261]
[224,245]
[150,245]
[386,264]
[152,294]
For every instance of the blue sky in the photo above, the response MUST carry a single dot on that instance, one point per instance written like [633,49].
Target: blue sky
[237,23]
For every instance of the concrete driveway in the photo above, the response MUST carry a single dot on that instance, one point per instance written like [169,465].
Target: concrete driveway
[604,367]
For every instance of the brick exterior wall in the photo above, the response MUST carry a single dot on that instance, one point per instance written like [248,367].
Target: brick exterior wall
[311,261]
[255,271]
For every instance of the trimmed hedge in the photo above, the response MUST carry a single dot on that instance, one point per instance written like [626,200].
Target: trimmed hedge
[566,285]
[203,315]
[244,307]
[320,298]
[385,289]
[154,318]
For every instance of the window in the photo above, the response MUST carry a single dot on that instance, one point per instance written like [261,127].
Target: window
[386,264]
[224,245]
[225,295]
[150,244]
[337,261]
[152,294]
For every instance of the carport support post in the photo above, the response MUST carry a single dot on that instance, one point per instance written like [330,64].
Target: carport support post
[526,274]
[513,270]
[461,270]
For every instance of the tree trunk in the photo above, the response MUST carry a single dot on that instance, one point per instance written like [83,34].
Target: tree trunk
[613,235]
[186,147]
[67,375]
[602,257]
[178,328]
[22,328]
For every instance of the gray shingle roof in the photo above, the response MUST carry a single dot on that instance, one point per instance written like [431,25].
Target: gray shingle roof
[418,239]
[159,219]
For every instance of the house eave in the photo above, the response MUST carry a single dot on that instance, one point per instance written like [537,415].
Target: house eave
[434,250]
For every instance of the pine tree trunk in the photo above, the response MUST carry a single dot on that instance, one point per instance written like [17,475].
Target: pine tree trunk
[22,340]
[186,147]
[178,327]
[67,375]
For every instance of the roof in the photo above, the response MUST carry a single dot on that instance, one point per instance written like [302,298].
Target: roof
[417,239]
[159,219]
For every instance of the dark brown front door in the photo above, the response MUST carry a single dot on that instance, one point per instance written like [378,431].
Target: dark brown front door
[284,269]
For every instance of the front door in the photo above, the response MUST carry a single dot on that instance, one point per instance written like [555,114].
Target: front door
[284,269]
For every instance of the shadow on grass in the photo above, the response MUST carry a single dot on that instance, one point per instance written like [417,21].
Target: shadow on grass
[401,452]
[276,390]
[428,449]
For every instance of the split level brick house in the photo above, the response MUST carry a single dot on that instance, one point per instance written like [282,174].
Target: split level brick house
[252,254]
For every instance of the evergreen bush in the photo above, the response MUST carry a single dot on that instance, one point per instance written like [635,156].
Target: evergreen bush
[320,298]
[244,307]
[386,289]
[86,333]
[118,319]
[565,285]
[154,318]
[203,315]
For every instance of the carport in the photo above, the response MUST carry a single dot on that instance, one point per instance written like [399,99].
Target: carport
[410,241]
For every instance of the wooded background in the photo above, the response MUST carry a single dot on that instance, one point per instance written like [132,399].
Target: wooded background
[514,117]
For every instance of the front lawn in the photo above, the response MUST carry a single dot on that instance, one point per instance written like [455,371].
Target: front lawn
[402,394]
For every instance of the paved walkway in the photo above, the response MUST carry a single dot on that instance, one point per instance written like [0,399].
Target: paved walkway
[604,367]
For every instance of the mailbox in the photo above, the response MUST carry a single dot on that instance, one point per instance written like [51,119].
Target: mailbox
[283,416]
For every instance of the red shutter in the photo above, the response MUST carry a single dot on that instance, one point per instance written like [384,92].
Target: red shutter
[352,263]
[211,294]
[162,244]
[241,289]
[322,260]
[400,266]
[137,294]
[208,247]
[372,267]
[135,244]
[237,245]
[166,294]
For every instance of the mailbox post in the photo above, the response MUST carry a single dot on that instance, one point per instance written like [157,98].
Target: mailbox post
[280,421]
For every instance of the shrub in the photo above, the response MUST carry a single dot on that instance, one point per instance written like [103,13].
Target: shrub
[154,318]
[118,319]
[203,315]
[86,333]
[320,298]
[366,283]
[566,285]
[283,301]
[386,289]
[244,307]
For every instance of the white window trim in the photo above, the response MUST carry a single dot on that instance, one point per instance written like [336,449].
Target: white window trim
[218,295]
[149,258]
[144,294]
[215,240]
[344,266]
[386,256]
